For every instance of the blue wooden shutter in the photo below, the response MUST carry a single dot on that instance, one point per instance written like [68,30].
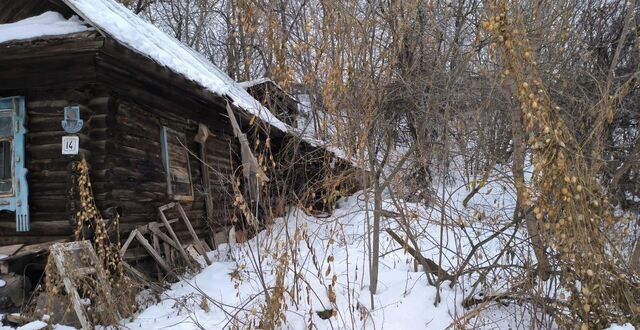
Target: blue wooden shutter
[18,199]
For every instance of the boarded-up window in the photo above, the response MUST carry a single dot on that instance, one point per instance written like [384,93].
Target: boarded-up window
[175,158]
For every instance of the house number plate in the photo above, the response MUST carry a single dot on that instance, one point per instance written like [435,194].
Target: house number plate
[70,145]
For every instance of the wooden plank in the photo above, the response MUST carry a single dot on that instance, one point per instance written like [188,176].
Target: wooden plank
[168,253]
[125,246]
[58,257]
[155,230]
[174,236]
[33,249]
[166,206]
[196,240]
[150,227]
[156,246]
[143,278]
[9,250]
[153,252]
[84,271]
[206,182]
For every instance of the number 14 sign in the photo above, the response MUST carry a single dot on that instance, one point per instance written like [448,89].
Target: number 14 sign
[70,145]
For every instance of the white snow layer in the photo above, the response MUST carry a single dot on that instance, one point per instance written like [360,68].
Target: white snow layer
[337,246]
[46,24]
[139,35]
[627,326]
[404,299]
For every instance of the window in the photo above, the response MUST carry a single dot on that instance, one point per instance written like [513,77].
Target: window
[175,158]
[14,191]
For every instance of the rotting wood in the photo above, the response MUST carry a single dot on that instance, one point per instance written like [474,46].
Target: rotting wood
[168,252]
[126,244]
[19,319]
[143,278]
[156,247]
[6,252]
[156,231]
[201,138]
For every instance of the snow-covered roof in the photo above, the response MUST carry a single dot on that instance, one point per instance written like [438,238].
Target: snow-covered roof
[47,24]
[251,83]
[119,23]
[115,21]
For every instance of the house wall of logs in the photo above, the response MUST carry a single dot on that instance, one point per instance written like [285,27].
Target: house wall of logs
[125,100]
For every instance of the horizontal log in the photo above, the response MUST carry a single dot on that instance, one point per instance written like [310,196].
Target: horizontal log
[45,228]
[10,240]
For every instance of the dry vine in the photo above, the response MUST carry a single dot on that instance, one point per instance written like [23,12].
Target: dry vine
[123,289]
[568,203]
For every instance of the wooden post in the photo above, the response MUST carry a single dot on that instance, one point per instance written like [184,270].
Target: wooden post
[156,246]
[201,138]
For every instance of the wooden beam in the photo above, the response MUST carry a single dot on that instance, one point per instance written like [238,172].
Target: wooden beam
[126,244]
[153,252]
[196,240]
[156,231]
[173,234]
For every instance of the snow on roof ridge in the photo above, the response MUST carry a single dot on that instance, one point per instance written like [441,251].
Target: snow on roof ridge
[251,83]
[46,24]
[145,38]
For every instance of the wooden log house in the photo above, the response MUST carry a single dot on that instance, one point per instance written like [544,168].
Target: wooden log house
[141,96]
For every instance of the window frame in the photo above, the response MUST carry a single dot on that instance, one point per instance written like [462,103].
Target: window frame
[17,200]
[10,139]
[165,132]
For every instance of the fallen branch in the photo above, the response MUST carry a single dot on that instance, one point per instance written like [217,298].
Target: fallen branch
[431,266]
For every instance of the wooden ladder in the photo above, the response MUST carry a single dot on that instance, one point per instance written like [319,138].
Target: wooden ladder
[168,240]
[196,241]
[71,266]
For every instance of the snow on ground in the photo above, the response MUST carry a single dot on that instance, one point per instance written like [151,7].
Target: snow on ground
[329,259]
[46,24]
[627,326]
[328,246]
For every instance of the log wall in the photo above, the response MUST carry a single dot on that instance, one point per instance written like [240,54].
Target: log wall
[137,178]
[125,99]
[48,169]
